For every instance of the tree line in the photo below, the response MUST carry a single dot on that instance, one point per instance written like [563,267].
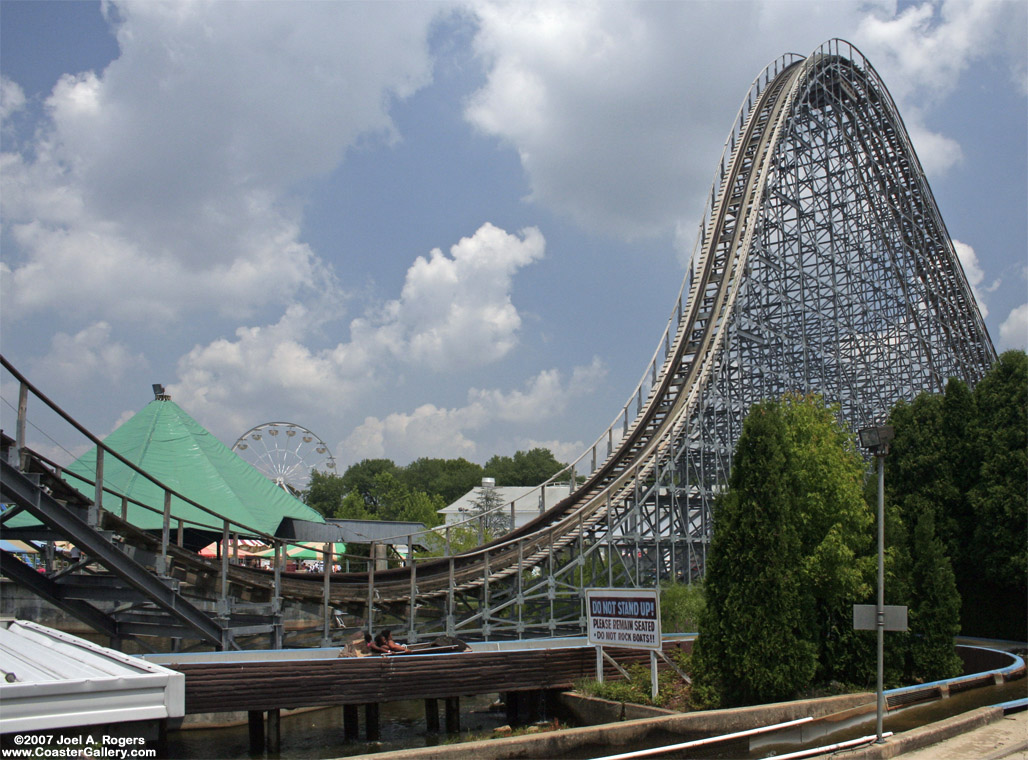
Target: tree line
[379,489]
[793,543]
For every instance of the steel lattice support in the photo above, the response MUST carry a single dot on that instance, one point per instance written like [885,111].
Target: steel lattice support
[823,267]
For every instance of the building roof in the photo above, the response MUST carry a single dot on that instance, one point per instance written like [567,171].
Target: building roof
[164,441]
[392,532]
[525,499]
[55,680]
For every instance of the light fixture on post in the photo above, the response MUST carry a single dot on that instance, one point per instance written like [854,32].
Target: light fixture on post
[876,440]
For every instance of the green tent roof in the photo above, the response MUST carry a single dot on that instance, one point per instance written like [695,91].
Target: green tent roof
[167,443]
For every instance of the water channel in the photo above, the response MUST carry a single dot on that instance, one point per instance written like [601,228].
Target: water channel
[318,734]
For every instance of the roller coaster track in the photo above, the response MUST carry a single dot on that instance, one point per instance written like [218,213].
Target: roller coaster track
[822,265]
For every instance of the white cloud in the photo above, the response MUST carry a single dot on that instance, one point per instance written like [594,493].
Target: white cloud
[974,274]
[925,48]
[615,109]
[224,380]
[454,312]
[89,354]
[1013,333]
[922,51]
[164,184]
[437,432]
[427,431]
[545,396]
[12,98]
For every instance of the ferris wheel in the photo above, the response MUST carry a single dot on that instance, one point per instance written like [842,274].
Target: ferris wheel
[286,453]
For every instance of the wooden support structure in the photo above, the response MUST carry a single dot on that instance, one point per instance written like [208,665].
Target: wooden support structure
[510,701]
[255,719]
[371,727]
[350,727]
[274,735]
[453,715]
[432,716]
[211,686]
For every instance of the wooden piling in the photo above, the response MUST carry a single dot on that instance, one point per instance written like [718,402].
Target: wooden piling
[510,700]
[371,727]
[274,734]
[255,719]
[350,729]
[432,716]
[453,715]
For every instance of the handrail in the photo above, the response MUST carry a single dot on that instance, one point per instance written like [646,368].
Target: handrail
[109,451]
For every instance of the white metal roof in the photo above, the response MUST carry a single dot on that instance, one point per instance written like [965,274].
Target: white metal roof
[55,680]
[525,499]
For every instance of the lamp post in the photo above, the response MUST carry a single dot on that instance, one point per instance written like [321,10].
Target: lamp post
[876,440]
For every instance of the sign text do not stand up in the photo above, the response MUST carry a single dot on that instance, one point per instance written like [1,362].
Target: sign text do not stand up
[624,618]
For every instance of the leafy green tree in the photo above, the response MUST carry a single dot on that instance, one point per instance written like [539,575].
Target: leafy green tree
[525,468]
[962,457]
[447,478]
[395,500]
[751,648]
[353,507]
[360,478]
[325,493]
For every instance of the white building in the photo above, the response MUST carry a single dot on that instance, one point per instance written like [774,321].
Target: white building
[529,501]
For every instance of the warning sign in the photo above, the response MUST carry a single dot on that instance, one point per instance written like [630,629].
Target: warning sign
[624,617]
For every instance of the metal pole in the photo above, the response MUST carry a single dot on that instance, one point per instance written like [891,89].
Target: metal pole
[654,683]
[93,513]
[326,594]
[19,435]
[880,611]
[165,533]
[371,589]
[224,567]
[412,636]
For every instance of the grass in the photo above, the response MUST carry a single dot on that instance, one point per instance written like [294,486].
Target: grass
[672,692]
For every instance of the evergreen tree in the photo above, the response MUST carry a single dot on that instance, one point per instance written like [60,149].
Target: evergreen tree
[921,482]
[934,614]
[751,648]
[790,554]
[999,498]
[486,506]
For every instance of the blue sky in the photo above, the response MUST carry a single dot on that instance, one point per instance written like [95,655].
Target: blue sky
[426,229]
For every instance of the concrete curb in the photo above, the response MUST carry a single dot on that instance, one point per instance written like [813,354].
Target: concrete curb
[560,743]
[918,738]
[591,711]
